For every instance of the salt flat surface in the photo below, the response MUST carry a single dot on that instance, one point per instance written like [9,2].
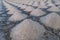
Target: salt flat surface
[27,30]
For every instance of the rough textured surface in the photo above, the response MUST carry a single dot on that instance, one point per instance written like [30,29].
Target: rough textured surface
[29,9]
[35,4]
[30,21]
[23,7]
[37,12]
[54,9]
[27,30]
[51,20]
[17,17]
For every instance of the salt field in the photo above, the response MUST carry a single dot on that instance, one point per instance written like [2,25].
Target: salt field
[29,19]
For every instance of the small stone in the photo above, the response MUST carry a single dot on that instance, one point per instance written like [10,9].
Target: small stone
[27,30]
[51,20]
[37,12]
